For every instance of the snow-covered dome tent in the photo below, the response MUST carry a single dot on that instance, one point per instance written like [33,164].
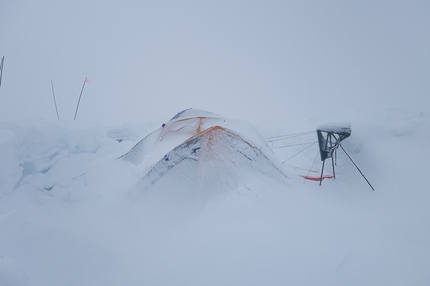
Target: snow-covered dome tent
[202,153]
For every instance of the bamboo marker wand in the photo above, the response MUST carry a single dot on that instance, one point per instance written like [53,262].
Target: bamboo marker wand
[1,69]
[80,95]
[55,102]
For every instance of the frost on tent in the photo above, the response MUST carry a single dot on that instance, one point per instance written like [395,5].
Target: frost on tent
[201,151]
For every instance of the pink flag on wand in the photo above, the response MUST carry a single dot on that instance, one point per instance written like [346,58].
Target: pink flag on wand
[87,80]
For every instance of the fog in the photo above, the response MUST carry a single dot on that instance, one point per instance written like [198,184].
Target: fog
[254,60]
[72,213]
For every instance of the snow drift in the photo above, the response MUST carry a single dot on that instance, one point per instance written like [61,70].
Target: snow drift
[70,219]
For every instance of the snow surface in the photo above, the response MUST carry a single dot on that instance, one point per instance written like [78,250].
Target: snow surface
[71,212]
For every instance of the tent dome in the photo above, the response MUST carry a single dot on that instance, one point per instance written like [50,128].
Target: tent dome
[201,152]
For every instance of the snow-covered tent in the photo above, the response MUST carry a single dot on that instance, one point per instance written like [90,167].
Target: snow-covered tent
[201,151]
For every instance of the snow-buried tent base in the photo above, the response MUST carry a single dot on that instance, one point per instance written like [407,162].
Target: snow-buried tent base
[199,152]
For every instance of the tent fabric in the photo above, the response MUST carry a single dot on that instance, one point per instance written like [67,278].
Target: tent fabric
[182,126]
[201,151]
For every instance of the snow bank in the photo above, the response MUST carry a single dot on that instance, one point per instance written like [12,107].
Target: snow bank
[69,214]
[37,148]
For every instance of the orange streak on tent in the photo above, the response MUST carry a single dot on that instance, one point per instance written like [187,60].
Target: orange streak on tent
[317,178]
[199,126]
[178,125]
[208,133]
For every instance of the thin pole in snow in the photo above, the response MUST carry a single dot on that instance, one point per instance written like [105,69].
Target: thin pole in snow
[55,102]
[356,166]
[325,148]
[80,95]
[1,69]
[332,156]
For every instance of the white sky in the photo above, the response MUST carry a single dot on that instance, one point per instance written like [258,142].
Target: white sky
[251,60]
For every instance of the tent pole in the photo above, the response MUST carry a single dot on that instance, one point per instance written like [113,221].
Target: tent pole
[356,166]
[332,159]
[322,169]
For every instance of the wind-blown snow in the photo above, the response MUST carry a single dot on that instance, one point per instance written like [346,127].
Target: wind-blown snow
[71,212]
